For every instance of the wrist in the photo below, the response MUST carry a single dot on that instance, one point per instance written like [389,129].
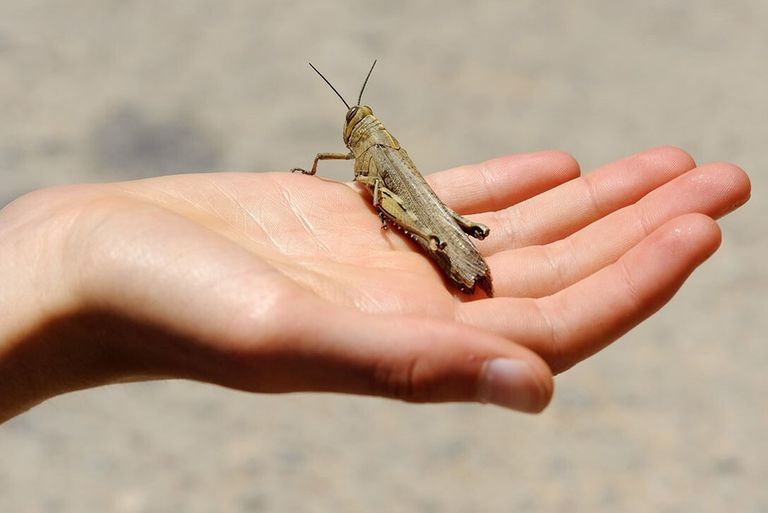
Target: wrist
[46,348]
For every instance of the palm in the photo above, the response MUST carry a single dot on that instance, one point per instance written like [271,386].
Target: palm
[325,236]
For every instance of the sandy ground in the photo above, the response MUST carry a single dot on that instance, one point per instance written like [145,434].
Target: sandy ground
[671,418]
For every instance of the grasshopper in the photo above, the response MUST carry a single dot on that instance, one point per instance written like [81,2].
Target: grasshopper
[404,199]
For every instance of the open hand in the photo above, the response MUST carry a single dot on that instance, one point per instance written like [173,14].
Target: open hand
[280,282]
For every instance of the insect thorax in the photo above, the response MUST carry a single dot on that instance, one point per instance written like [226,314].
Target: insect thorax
[367,132]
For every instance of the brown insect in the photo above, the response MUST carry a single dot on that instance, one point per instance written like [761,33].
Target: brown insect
[403,197]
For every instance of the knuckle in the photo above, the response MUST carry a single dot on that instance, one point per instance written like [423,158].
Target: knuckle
[403,380]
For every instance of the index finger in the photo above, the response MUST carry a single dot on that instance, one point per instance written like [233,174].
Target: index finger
[498,183]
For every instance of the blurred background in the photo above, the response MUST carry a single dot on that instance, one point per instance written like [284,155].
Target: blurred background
[673,417]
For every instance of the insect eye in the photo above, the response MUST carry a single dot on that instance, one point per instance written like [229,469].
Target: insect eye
[351,113]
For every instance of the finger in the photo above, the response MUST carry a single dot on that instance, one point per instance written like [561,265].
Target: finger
[571,325]
[712,189]
[409,358]
[501,182]
[565,209]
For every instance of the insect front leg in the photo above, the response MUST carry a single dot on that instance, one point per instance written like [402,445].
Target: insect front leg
[377,202]
[324,156]
[476,230]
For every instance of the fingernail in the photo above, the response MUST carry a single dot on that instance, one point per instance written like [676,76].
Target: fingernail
[511,384]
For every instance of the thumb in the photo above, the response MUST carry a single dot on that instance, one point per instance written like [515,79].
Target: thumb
[415,359]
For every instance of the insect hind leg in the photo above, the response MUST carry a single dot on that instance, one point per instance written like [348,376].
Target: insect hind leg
[392,208]
[471,228]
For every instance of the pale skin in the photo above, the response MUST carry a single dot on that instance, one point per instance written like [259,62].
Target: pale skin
[281,282]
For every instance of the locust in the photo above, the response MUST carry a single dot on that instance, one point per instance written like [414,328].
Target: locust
[403,197]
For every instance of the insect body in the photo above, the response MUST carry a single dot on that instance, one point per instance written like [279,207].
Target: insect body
[404,198]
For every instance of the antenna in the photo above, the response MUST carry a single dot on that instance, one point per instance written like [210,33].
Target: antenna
[334,89]
[366,82]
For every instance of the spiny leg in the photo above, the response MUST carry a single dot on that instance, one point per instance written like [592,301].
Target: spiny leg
[377,200]
[391,206]
[383,219]
[324,156]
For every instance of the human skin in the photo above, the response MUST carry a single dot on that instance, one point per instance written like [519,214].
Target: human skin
[279,282]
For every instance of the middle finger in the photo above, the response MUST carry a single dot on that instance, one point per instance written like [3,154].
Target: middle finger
[569,207]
